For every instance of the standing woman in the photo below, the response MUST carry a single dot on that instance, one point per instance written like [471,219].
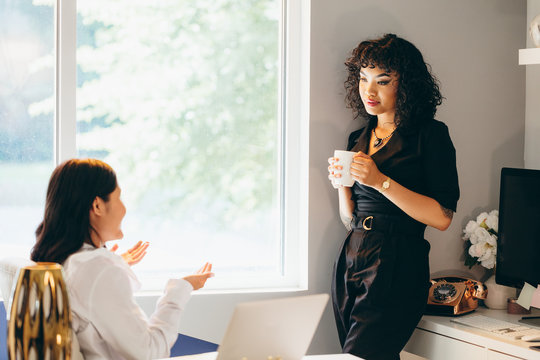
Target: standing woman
[83,211]
[405,178]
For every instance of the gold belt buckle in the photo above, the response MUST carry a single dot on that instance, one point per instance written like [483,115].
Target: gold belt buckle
[365,226]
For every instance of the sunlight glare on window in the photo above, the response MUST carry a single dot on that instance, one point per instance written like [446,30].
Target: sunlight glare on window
[181,98]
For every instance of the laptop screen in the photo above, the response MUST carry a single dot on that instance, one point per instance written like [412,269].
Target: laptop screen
[278,328]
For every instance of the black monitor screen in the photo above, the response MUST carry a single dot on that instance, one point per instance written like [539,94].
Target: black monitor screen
[518,243]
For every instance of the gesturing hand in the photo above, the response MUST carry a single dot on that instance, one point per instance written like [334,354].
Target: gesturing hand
[198,279]
[365,171]
[135,254]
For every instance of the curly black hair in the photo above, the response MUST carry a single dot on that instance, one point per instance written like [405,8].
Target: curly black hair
[418,92]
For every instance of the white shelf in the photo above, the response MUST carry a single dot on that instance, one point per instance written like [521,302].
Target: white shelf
[529,56]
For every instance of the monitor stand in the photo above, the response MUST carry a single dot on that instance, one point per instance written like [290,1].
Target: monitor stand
[531,320]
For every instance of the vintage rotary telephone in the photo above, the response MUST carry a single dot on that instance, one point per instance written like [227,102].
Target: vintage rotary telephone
[454,296]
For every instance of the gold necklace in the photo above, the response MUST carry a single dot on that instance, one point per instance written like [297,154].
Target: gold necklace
[378,141]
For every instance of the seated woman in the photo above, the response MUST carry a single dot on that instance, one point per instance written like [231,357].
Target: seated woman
[83,211]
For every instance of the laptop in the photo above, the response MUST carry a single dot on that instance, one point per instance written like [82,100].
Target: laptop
[277,328]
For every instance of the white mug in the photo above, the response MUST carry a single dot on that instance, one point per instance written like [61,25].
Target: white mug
[344,159]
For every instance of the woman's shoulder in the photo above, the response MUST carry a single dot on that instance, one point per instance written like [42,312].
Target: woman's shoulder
[89,257]
[433,129]
[434,135]
[433,125]
[99,263]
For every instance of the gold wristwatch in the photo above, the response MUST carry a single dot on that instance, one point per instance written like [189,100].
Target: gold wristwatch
[385,185]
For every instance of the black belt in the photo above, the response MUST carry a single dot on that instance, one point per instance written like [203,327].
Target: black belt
[388,224]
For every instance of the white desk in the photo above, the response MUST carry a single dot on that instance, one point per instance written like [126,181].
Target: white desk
[436,337]
[212,356]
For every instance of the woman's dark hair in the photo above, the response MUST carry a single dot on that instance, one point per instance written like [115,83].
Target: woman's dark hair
[72,189]
[418,92]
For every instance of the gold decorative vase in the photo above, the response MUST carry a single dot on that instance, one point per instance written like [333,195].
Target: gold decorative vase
[39,323]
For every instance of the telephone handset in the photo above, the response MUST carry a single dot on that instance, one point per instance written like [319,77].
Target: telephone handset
[454,296]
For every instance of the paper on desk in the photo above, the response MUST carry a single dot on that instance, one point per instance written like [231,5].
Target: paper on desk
[535,301]
[526,295]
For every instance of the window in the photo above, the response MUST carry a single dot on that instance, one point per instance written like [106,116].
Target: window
[26,134]
[185,100]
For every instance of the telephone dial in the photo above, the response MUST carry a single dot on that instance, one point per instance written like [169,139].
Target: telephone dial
[454,296]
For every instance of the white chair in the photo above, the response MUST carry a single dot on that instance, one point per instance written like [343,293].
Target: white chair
[9,269]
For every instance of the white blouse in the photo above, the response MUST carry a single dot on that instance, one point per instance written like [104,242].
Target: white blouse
[107,321]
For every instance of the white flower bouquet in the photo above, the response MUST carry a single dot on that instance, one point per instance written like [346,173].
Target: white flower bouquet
[481,240]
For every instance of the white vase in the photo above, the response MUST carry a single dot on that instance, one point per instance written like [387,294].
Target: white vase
[497,294]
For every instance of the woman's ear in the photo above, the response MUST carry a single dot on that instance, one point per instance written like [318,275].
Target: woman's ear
[98,205]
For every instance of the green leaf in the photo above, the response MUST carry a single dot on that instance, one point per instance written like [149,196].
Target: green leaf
[470,261]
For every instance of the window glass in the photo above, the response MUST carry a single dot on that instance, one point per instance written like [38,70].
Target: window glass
[26,122]
[181,98]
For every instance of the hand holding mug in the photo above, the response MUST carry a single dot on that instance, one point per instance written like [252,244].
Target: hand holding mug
[340,169]
[365,171]
[334,172]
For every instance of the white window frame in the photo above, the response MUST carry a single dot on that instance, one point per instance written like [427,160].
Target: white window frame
[295,134]
[65,87]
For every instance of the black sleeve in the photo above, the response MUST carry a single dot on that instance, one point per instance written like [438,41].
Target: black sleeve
[440,166]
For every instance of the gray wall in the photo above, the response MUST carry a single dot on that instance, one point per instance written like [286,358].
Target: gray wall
[473,49]
[532,115]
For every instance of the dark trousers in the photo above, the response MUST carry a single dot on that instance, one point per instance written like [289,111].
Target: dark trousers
[380,286]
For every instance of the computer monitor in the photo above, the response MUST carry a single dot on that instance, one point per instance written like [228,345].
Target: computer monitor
[518,243]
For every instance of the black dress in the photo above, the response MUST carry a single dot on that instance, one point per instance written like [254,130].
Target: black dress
[381,275]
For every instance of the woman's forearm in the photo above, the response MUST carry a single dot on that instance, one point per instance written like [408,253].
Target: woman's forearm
[420,207]
[346,206]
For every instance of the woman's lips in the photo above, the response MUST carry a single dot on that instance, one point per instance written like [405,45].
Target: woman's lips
[372,103]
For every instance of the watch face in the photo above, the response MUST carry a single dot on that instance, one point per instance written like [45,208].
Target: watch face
[444,293]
